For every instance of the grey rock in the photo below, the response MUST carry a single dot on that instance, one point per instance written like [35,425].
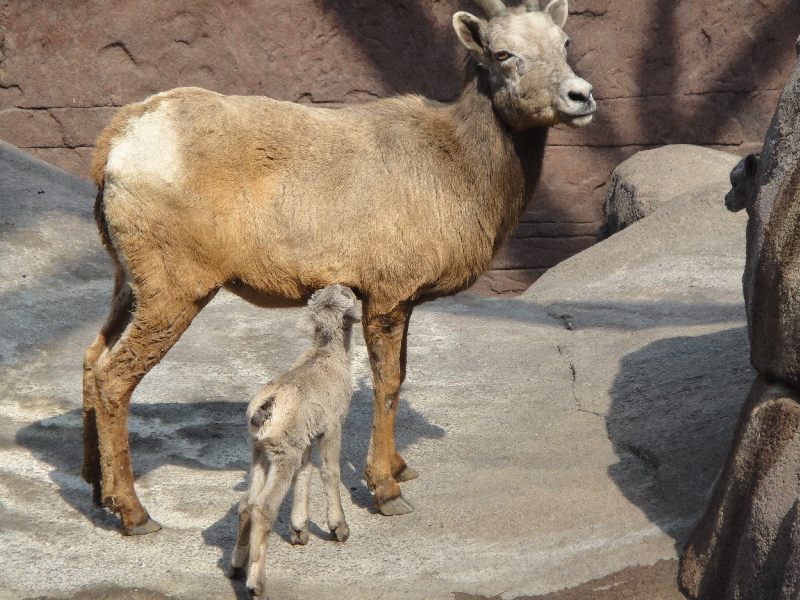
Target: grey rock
[648,179]
[747,544]
[772,273]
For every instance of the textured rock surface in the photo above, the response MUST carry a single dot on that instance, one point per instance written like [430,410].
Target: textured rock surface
[706,73]
[772,275]
[644,182]
[560,436]
[747,544]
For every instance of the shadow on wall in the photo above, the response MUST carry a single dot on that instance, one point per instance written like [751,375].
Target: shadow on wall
[409,49]
[674,405]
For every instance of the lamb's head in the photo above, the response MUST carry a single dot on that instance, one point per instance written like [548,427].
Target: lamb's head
[743,181]
[333,311]
[524,52]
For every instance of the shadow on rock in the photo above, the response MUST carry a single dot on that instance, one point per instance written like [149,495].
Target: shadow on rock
[675,403]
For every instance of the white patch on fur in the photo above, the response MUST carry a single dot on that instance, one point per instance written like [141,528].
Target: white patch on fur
[148,150]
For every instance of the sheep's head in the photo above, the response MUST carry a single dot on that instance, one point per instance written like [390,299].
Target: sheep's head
[524,52]
[333,310]
[743,181]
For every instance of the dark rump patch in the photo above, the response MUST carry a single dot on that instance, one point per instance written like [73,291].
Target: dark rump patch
[263,413]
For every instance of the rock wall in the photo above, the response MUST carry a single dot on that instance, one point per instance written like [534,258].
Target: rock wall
[664,72]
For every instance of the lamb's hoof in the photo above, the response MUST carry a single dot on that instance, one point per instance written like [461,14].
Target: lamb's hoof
[406,474]
[236,572]
[298,537]
[149,526]
[255,591]
[340,533]
[395,506]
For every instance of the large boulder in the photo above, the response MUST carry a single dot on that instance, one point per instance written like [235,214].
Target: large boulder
[772,272]
[641,184]
[747,544]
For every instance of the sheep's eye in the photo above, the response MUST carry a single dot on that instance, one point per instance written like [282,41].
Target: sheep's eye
[566,43]
[502,55]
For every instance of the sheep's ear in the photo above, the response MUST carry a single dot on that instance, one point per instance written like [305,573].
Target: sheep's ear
[558,11]
[751,165]
[473,34]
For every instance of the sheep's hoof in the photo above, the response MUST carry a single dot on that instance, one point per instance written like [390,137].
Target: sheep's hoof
[395,506]
[340,533]
[298,537]
[255,591]
[149,526]
[405,474]
[236,572]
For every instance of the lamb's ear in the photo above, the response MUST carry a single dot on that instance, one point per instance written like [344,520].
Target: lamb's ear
[473,34]
[751,166]
[352,315]
[306,324]
[558,11]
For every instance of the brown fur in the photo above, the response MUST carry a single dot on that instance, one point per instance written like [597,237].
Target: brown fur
[403,200]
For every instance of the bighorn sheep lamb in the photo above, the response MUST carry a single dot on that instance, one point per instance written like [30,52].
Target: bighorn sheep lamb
[743,181]
[306,403]
[403,200]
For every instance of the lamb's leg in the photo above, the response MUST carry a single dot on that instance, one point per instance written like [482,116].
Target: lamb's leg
[298,533]
[330,445]
[386,337]
[258,478]
[157,324]
[118,318]
[265,508]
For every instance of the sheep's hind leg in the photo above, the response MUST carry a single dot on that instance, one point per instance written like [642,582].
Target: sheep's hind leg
[265,505]
[330,445]
[156,326]
[298,531]
[258,478]
[386,337]
[118,318]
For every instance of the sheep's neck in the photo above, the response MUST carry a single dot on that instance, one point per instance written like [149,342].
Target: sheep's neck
[502,166]
[335,343]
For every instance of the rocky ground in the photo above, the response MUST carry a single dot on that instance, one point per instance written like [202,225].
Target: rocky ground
[565,439]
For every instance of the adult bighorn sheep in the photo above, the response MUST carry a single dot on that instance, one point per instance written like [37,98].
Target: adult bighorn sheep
[403,200]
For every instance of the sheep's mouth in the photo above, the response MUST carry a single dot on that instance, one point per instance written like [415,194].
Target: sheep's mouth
[580,121]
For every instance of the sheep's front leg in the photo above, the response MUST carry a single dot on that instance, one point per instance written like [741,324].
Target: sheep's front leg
[298,534]
[264,510]
[330,445]
[386,338]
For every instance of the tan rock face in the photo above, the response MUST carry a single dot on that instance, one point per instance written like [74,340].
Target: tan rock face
[746,544]
[664,72]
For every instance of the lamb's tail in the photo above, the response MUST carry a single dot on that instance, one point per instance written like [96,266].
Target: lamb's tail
[263,413]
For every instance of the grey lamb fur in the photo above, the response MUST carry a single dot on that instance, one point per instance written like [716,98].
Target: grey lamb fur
[743,180]
[309,401]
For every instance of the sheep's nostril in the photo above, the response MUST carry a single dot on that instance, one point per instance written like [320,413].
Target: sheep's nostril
[578,96]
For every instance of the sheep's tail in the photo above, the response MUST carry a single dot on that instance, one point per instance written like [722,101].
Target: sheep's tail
[115,129]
